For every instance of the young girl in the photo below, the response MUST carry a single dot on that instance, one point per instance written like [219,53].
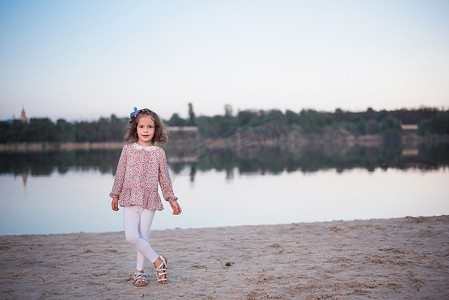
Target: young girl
[141,167]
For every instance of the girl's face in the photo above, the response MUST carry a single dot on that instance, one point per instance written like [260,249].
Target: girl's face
[145,131]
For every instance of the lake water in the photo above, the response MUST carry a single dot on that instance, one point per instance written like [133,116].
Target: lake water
[51,193]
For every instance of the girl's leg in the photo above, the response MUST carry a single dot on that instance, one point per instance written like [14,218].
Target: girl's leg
[146,219]
[131,224]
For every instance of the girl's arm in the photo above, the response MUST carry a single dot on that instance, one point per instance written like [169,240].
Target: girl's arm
[119,175]
[164,179]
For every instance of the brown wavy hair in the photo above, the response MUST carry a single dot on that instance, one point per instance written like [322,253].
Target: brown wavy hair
[160,133]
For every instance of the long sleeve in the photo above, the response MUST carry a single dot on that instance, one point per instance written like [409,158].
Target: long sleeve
[164,179]
[120,174]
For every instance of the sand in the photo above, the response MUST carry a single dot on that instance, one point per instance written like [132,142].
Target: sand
[405,258]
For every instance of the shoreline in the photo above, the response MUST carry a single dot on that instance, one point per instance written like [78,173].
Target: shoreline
[417,218]
[236,143]
[397,258]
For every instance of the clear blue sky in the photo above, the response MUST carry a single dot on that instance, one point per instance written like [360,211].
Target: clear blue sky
[80,60]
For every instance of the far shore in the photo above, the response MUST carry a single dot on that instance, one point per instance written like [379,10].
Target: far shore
[47,146]
[236,142]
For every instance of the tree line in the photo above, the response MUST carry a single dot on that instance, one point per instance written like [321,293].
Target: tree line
[45,130]
[430,121]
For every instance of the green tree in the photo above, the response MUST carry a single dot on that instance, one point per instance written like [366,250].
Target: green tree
[192,118]
[312,121]
[382,115]
[247,118]
[118,127]
[371,127]
[104,130]
[339,115]
[424,127]
[221,126]
[438,124]
[291,117]
[307,121]
[86,131]
[4,128]
[202,123]
[370,113]
[277,115]
[228,110]
[390,128]
[40,129]
[16,132]
[65,131]
[176,120]
[359,126]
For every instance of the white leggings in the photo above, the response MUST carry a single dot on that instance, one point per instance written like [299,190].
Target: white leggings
[137,224]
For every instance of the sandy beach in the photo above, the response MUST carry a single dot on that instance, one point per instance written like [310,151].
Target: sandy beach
[406,258]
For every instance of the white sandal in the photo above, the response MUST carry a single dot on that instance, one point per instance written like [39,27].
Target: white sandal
[162,270]
[140,279]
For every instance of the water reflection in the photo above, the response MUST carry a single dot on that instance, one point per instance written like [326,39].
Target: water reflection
[273,160]
[45,163]
[313,158]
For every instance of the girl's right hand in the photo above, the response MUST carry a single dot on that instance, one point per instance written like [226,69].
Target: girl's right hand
[114,204]
[176,208]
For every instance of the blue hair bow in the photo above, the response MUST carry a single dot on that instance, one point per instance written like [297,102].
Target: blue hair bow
[134,113]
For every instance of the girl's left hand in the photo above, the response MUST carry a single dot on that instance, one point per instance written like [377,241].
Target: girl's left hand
[176,208]
[114,204]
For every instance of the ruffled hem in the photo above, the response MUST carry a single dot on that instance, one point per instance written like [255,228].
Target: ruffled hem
[148,206]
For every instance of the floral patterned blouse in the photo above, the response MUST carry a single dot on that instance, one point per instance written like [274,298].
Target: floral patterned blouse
[139,171]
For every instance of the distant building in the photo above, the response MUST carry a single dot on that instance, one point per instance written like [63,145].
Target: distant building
[23,116]
[409,127]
